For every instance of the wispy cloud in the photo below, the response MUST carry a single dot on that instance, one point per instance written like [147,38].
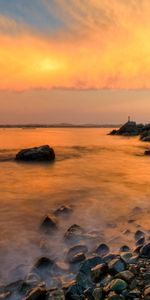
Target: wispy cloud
[76,44]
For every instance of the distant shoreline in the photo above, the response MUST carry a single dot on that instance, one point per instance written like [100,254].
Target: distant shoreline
[33,126]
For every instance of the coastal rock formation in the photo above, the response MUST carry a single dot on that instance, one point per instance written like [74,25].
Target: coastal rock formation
[130,128]
[42,153]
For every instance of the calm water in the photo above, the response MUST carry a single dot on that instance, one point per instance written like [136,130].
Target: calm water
[103,178]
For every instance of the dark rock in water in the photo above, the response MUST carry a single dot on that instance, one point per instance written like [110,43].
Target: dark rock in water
[74,233]
[147,152]
[114,296]
[116,266]
[83,277]
[125,248]
[102,249]
[43,267]
[76,250]
[5,295]
[140,241]
[49,224]
[117,285]
[98,271]
[109,257]
[145,251]
[130,128]
[74,292]
[42,153]
[77,258]
[98,294]
[139,234]
[125,275]
[113,132]
[37,294]
[63,210]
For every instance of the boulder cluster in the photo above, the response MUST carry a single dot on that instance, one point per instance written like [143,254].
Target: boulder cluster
[90,275]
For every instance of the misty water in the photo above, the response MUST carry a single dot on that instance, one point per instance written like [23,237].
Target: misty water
[105,179]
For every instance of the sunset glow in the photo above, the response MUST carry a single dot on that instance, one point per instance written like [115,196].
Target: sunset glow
[108,48]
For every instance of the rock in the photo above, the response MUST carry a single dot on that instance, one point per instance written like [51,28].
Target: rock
[5,295]
[105,280]
[49,224]
[126,256]
[109,257]
[145,251]
[43,265]
[98,294]
[74,233]
[140,242]
[147,152]
[63,210]
[125,275]
[113,132]
[117,285]
[116,266]
[42,153]
[37,294]
[114,296]
[139,234]
[78,258]
[83,277]
[130,128]
[76,250]
[147,291]
[56,295]
[74,292]
[102,249]
[98,271]
[125,248]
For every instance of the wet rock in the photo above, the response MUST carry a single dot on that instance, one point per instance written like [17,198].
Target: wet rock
[126,256]
[147,152]
[116,266]
[139,234]
[98,271]
[74,292]
[63,210]
[117,285]
[114,296]
[147,291]
[140,241]
[125,248]
[42,153]
[125,275]
[49,223]
[37,294]
[56,295]
[79,257]
[44,267]
[74,233]
[102,249]
[5,295]
[76,250]
[105,280]
[109,257]
[130,128]
[98,294]
[145,251]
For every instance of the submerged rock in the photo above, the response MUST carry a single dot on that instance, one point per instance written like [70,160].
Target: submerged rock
[42,153]
[76,250]
[74,233]
[145,251]
[63,210]
[49,223]
[102,249]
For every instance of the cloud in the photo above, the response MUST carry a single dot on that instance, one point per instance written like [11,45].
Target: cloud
[85,44]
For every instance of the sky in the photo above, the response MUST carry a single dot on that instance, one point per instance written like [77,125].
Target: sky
[76,61]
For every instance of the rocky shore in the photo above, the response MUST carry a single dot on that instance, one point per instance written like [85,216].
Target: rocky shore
[90,275]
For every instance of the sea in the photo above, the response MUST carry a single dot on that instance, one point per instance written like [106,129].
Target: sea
[104,179]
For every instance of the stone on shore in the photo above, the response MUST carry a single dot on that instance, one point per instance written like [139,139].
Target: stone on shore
[42,153]
[145,251]
[73,253]
[102,249]
[63,210]
[74,233]
[37,294]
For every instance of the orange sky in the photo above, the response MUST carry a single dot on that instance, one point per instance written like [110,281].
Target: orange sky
[74,45]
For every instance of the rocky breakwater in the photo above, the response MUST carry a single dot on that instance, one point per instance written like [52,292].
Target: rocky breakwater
[42,153]
[130,128]
[90,275]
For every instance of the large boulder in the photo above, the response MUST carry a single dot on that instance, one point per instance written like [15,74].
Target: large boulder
[42,153]
[130,128]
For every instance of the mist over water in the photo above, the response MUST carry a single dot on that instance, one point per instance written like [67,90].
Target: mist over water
[103,178]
